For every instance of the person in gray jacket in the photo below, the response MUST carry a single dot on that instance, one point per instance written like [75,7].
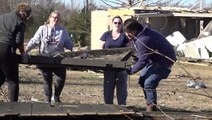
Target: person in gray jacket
[52,38]
[12,28]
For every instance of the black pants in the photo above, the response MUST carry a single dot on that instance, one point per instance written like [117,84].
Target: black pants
[60,76]
[9,71]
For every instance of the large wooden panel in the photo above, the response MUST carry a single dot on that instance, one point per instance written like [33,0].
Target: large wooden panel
[63,109]
[110,59]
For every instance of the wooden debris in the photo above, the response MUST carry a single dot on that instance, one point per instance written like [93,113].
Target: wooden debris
[110,59]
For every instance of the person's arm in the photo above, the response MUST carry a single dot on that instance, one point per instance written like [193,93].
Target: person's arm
[20,42]
[69,45]
[21,48]
[20,37]
[102,40]
[143,55]
[68,41]
[101,43]
[35,41]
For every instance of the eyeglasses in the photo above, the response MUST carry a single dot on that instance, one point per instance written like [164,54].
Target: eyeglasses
[55,17]
[117,23]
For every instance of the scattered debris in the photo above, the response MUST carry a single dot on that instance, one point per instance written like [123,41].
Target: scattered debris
[34,99]
[196,48]
[195,84]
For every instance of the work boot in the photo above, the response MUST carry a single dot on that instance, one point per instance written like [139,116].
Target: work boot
[151,107]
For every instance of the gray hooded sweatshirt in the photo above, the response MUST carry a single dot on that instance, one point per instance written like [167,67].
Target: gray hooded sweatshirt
[51,40]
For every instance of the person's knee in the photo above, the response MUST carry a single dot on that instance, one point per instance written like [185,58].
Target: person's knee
[148,85]
[152,82]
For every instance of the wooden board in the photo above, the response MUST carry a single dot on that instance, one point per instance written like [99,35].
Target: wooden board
[110,59]
[63,109]
[98,53]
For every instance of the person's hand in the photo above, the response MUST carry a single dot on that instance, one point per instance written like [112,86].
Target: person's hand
[24,57]
[128,71]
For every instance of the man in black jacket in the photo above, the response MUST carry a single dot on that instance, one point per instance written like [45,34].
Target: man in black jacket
[12,28]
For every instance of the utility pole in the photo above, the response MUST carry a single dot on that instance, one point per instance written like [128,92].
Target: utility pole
[86,11]
[200,4]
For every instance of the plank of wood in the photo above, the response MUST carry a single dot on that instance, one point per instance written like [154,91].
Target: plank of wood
[12,109]
[63,109]
[98,53]
[94,64]
[107,59]
[76,63]
[67,110]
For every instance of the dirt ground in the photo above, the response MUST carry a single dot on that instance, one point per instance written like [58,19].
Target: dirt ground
[86,87]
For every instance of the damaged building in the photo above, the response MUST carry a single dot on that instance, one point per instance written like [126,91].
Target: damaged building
[189,25]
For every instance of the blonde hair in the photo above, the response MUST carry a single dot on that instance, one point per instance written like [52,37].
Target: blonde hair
[54,12]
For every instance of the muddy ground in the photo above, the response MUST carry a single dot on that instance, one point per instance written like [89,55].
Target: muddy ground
[86,87]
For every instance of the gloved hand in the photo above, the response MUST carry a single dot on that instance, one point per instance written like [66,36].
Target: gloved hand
[24,57]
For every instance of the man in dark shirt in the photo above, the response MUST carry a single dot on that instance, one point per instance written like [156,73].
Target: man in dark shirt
[12,28]
[155,57]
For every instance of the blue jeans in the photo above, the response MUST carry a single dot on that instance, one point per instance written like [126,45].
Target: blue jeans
[149,80]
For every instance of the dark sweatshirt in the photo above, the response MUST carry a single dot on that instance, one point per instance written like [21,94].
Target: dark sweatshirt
[149,39]
[12,29]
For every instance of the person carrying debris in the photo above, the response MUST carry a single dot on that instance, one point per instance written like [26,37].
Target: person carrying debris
[51,38]
[12,28]
[115,38]
[155,57]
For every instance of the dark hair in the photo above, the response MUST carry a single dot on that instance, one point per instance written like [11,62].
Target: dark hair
[117,17]
[132,25]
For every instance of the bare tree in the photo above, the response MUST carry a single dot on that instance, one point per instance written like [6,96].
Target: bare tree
[120,3]
[130,3]
[9,5]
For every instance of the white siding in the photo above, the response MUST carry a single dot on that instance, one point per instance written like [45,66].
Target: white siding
[99,24]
